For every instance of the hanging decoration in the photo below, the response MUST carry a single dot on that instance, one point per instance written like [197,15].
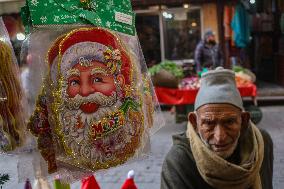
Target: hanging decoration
[12,125]
[95,107]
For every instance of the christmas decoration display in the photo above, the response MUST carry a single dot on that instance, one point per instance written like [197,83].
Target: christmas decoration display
[95,102]
[12,125]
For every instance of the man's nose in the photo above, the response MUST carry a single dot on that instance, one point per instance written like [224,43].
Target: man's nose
[86,90]
[219,134]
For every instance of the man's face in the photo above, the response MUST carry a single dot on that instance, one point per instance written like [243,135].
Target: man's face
[219,127]
[84,81]
[211,39]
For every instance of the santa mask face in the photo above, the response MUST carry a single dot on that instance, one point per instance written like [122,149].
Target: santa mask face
[99,118]
[91,87]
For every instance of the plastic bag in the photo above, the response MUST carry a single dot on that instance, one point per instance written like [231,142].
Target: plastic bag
[97,107]
[12,114]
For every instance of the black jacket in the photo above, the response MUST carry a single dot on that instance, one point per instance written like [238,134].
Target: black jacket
[179,169]
[206,56]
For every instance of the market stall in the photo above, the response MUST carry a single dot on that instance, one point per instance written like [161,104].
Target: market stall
[171,96]
[181,92]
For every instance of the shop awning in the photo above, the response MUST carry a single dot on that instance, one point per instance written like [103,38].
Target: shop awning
[137,3]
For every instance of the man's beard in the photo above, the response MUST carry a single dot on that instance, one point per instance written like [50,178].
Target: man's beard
[223,154]
[107,105]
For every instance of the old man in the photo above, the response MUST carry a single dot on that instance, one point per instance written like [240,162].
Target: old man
[222,148]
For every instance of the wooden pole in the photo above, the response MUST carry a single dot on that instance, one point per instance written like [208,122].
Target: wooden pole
[220,21]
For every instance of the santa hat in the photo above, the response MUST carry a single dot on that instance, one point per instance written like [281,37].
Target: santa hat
[129,182]
[52,58]
[90,183]
[88,44]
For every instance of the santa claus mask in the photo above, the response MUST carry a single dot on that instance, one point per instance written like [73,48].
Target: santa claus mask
[99,119]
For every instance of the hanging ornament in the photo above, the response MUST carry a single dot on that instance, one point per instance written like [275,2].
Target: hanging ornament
[90,183]
[11,95]
[129,182]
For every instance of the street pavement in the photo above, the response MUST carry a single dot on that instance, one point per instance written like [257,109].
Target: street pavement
[147,171]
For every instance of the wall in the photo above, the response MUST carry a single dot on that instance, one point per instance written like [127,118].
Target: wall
[209,18]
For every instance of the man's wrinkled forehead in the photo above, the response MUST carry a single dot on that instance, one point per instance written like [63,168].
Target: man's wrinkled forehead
[218,110]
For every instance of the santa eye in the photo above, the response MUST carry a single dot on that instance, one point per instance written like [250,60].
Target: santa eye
[97,79]
[74,82]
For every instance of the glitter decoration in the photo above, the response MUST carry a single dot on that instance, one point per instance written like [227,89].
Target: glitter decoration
[94,116]
[11,96]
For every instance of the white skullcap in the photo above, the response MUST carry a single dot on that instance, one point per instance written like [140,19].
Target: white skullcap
[218,87]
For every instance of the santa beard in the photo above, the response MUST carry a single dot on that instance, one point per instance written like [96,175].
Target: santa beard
[107,105]
[78,138]
[72,115]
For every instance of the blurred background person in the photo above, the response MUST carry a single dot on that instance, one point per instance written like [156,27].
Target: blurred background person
[208,53]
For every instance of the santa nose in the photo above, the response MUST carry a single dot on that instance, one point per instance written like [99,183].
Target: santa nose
[86,90]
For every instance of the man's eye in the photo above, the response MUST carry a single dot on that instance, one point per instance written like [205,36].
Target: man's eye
[230,122]
[97,79]
[74,82]
[209,123]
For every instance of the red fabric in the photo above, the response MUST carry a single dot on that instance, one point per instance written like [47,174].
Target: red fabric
[187,96]
[90,183]
[249,90]
[175,96]
[129,184]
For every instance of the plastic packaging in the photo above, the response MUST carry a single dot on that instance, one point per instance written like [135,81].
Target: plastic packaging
[12,114]
[96,108]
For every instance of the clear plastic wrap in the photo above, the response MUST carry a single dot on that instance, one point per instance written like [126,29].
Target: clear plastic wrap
[96,107]
[12,99]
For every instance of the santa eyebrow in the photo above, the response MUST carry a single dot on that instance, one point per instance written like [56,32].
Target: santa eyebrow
[73,72]
[99,71]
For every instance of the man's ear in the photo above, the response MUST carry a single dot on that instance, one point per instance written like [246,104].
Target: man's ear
[121,80]
[192,118]
[245,121]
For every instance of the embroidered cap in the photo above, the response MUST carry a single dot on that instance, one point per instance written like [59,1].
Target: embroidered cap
[218,86]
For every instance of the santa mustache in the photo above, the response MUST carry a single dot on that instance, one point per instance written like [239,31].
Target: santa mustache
[97,97]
